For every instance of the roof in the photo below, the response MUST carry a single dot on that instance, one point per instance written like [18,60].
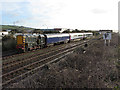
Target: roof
[105,30]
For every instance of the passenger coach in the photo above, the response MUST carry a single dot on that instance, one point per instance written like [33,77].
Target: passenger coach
[76,36]
[57,38]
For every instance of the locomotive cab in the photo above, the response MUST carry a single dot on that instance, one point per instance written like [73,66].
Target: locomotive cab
[29,42]
[20,43]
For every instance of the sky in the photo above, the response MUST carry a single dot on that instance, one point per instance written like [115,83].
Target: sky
[72,14]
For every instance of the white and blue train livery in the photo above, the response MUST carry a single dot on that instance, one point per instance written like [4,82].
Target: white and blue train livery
[55,38]
[74,36]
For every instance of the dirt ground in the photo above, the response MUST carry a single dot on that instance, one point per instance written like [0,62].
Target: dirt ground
[95,66]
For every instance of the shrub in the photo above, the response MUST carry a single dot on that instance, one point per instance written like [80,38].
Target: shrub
[8,43]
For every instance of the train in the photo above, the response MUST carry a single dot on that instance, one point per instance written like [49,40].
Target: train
[28,42]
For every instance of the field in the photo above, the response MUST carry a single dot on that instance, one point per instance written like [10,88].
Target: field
[95,66]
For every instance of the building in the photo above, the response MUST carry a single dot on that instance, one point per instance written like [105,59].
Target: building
[57,29]
[47,29]
[104,31]
[3,33]
[60,29]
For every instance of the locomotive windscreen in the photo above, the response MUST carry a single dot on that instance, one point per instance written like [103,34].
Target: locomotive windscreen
[19,39]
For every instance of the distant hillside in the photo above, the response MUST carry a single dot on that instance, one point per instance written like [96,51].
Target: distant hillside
[16,28]
[20,29]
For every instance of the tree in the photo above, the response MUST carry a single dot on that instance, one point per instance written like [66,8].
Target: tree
[76,31]
[66,31]
[37,31]
[45,32]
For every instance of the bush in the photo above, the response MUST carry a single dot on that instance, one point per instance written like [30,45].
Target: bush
[8,43]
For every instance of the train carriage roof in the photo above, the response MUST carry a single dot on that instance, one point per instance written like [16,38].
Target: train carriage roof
[88,33]
[41,35]
[57,35]
[32,35]
[76,33]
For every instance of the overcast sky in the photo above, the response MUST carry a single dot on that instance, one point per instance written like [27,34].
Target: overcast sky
[74,14]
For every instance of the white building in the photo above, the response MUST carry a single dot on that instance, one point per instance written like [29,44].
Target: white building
[60,29]
[3,33]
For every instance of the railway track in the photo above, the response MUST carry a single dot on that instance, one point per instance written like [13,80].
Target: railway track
[21,63]
[20,69]
[8,53]
[12,54]
[13,59]
[7,56]
[27,55]
[23,70]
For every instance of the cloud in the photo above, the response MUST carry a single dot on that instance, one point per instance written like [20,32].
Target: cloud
[14,12]
[83,14]
[72,13]
[99,11]
[45,7]
[12,0]
[19,21]
[44,11]
[10,6]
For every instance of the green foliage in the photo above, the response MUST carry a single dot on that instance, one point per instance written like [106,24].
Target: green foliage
[76,31]
[80,31]
[6,37]
[67,31]
[37,31]
[95,33]
[15,29]
[8,43]
[117,87]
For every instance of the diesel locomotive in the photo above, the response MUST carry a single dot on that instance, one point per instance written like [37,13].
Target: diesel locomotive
[27,42]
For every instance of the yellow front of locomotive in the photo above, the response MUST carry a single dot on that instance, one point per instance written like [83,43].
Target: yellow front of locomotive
[20,43]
